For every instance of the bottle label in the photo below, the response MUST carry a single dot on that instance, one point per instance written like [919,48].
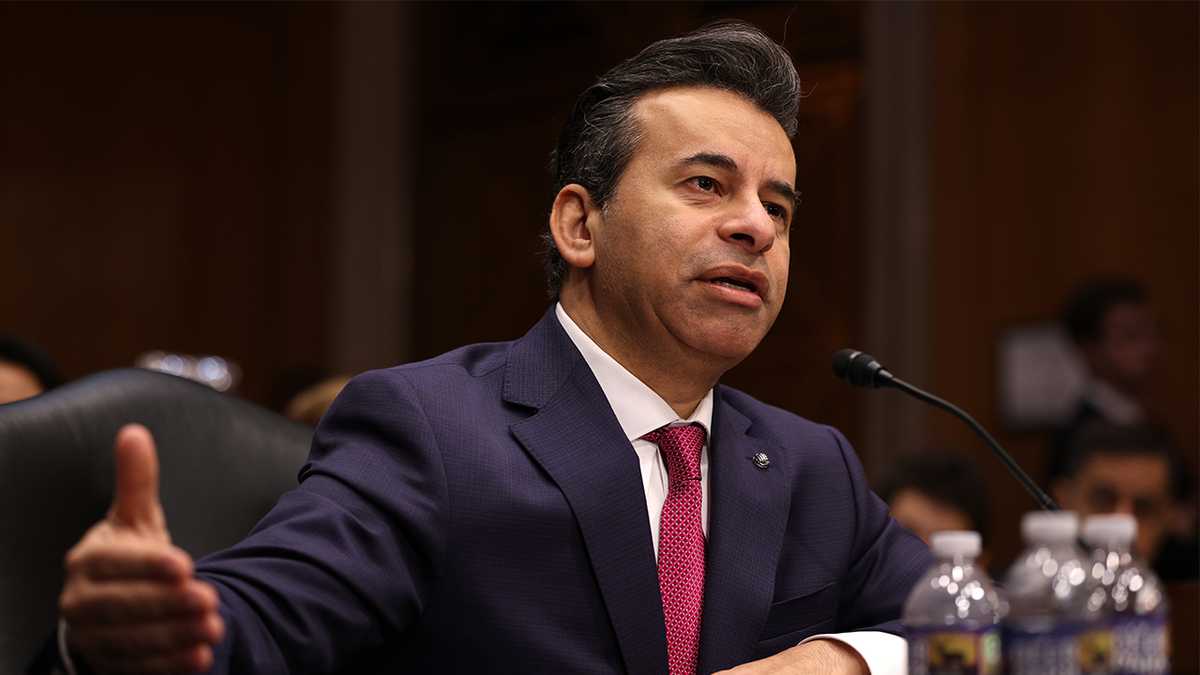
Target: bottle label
[1064,650]
[1140,645]
[947,651]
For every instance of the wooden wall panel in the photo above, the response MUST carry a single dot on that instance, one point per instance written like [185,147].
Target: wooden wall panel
[1065,147]
[161,182]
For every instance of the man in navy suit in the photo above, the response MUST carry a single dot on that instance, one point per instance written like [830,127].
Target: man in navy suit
[498,508]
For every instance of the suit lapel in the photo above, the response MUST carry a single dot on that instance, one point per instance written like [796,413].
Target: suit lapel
[575,437]
[748,509]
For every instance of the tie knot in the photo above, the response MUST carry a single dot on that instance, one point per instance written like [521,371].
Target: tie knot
[681,448]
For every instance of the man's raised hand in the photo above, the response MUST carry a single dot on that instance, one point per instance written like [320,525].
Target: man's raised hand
[130,599]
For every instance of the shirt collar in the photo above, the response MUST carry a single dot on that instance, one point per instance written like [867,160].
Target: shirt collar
[1115,405]
[638,409]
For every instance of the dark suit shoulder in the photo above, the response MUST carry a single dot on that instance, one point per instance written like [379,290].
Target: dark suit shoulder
[773,423]
[475,360]
[383,391]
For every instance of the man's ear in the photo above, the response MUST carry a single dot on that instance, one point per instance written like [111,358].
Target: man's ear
[571,221]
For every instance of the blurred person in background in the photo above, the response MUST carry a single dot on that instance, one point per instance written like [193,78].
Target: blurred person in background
[1135,470]
[1119,341]
[309,406]
[25,370]
[936,491]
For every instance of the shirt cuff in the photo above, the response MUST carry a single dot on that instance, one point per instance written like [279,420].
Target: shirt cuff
[64,654]
[885,653]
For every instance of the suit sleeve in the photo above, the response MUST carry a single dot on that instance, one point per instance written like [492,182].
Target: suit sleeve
[886,560]
[347,559]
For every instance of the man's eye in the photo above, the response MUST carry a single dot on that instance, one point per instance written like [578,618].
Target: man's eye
[705,183]
[775,210]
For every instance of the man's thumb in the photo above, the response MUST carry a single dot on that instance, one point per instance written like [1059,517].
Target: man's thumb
[135,495]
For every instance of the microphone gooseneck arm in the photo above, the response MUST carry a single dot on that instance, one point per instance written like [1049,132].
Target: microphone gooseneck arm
[1043,499]
[861,370]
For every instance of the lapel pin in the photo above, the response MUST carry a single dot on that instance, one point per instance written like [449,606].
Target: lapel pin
[761,460]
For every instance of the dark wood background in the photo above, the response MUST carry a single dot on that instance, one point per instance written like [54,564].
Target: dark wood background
[1066,141]
[163,182]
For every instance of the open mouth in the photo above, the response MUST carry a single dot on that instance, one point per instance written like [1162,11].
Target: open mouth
[736,284]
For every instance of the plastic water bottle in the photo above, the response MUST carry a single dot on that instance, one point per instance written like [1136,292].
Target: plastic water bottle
[1052,627]
[1133,597]
[952,616]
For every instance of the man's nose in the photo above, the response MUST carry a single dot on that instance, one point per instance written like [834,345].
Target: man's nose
[750,226]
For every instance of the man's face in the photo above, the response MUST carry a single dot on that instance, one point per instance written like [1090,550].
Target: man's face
[1115,483]
[1129,350]
[692,251]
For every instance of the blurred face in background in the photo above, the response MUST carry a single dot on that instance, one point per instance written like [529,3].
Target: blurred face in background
[1139,485]
[1128,352]
[922,515]
[17,382]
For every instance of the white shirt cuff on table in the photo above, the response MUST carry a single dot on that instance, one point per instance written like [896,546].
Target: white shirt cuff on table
[885,654]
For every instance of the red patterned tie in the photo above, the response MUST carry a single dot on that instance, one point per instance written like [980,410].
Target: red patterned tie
[681,544]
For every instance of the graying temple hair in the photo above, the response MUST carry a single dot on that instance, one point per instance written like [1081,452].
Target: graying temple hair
[602,133]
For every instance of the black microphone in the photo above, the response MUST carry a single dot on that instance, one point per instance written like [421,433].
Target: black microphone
[861,370]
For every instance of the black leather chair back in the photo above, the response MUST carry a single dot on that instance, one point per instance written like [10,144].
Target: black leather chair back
[224,461]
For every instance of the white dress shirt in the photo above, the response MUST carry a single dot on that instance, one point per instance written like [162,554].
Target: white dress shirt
[639,410]
[1113,404]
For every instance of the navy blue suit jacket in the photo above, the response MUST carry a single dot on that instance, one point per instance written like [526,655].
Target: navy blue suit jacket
[483,512]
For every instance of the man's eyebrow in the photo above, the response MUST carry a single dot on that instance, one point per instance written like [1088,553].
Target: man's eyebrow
[713,159]
[725,162]
[786,191]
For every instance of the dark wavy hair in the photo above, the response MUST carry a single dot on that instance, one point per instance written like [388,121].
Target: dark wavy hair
[23,352]
[1101,437]
[946,477]
[1084,314]
[602,133]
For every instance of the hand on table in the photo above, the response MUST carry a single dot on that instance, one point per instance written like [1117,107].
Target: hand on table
[818,656]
